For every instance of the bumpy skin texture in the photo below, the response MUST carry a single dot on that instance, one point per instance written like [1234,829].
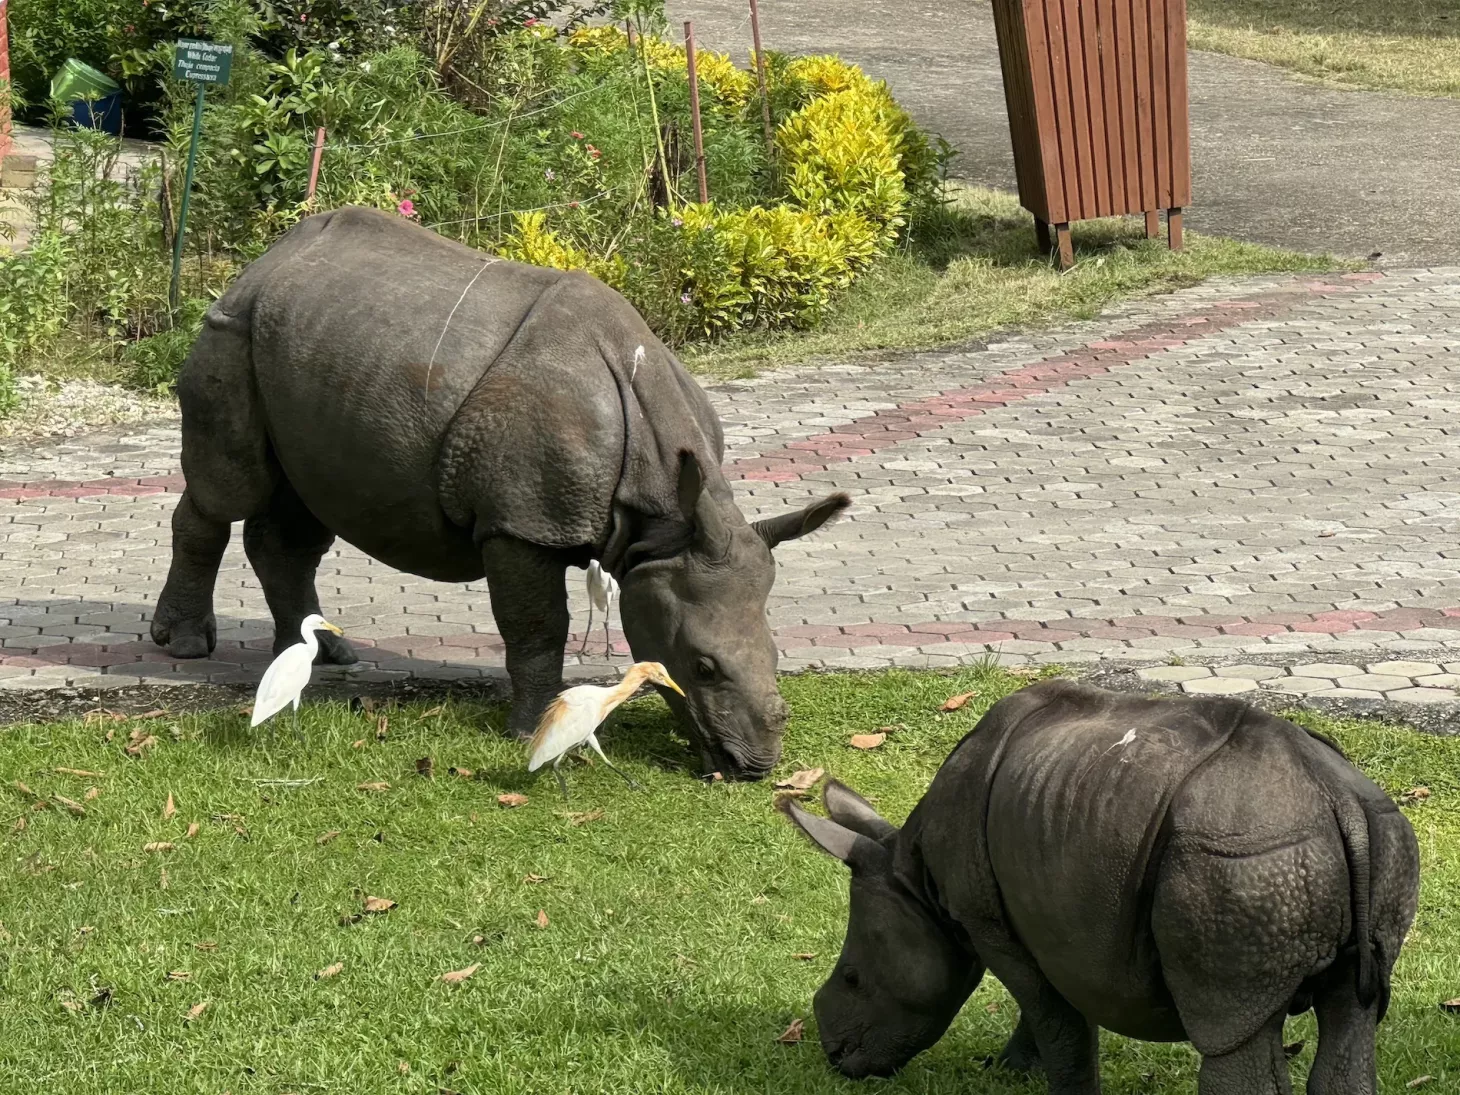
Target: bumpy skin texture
[455,416]
[1165,868]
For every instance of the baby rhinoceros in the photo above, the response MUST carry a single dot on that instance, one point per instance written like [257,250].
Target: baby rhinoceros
[1170,869]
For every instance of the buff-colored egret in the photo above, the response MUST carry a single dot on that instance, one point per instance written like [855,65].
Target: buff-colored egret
[286,677]
[572,717]
[602,589]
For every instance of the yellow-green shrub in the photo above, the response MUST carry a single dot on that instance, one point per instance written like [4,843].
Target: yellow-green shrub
[725,84]
[532,241]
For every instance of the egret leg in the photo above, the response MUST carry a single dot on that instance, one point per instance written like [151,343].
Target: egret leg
[562,783]
[607,640]
[593,744]
[587,631]
[297,735]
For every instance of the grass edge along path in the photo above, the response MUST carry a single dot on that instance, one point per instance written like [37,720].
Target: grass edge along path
[203,916]
[1410,46]
[978,270]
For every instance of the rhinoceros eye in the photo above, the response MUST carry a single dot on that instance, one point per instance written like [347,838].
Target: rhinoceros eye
[850,976]
[706,670]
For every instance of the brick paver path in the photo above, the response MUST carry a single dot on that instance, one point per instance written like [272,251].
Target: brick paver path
[1261,471]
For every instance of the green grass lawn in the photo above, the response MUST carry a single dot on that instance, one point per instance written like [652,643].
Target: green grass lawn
[1407,45]
[977,270]
[677,923]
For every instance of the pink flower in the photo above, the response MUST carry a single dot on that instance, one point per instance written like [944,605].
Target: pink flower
[303,16]
[406,208]
[572,205]
[593,151]
[577,136]
[530,23]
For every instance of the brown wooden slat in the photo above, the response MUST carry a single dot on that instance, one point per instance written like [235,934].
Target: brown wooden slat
[1141,43]
[1042,68]
[1084,180]
[1130,160]
[1180,105]
[1110,101]
[1160,102]
[1095,97]
[1065,122]
[1013,62]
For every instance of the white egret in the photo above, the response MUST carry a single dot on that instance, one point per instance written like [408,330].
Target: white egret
[602,589]
[286,677]
[572,717]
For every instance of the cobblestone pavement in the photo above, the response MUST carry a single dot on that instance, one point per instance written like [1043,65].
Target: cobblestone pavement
[1254,472]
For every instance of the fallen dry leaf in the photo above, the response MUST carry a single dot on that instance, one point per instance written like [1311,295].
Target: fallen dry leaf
[716,777]
[511,800]
[101,714]
[170,810]
[155,713]
[206,945]
[536,878]
[20,825]
[803,780]
[867,741]
[542,918]
[358,744]
[377,786]
[194,829]
[24,790]
[433,712]
[992,1009]
[378,904]
[197,1010]
[792,1034]
[325,838]
[1326,532]
[954,703]
[382,727]
[329,971]
[456,977]
[91,793]
[461,773]
[403,1068]
[159,846]
[162,882]
[179,975]
[806,956]
[82,772]
[584,819]
[1413,795]
[139,743]
[70,1003]
[245,709]
[1419,1081]
[426,767]
[71,805]
[1452,1006]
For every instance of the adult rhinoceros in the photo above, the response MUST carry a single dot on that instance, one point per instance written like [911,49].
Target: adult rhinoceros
[455,415]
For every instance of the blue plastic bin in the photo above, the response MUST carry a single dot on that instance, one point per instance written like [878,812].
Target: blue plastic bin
[104,114]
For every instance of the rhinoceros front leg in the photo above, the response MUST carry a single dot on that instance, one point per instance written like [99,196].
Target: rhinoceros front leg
[529,595]
[1257,1067]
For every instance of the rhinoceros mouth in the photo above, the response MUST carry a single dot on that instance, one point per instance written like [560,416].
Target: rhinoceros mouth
[722,760]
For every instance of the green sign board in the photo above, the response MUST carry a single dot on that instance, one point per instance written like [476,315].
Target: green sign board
[202,62]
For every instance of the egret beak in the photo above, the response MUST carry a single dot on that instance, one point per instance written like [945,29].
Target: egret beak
[331,628]
[669,683]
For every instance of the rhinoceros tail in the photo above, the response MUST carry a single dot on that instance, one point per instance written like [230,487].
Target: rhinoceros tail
[1353,825]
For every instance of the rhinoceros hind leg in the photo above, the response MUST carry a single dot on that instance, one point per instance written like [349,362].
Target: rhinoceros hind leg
[184,622]
[530,603]
[1021,1054]
[1257,1067]
[1345,1061]
[284,546]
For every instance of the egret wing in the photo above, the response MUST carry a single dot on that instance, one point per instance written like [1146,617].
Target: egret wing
[566,723]
[283,681]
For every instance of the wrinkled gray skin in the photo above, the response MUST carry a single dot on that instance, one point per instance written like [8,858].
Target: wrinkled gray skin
[1201,882]
[455,416]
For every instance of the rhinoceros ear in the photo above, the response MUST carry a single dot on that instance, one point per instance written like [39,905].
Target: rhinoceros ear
[698,509]
[852,848]
[854,812]
[789,526]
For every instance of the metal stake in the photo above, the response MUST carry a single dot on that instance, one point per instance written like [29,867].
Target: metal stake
[182,216]
[694,109]
[765,99]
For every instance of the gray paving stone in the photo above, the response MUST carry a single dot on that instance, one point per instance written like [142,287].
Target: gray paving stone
[1252,672]
[1421,695]
[1301,686]
[1174,674]
[1219,686]
[1406,669]
[1374,682]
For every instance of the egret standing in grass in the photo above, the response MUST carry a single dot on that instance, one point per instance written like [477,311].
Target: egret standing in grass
[571,719]
[602,589]
[285,679]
